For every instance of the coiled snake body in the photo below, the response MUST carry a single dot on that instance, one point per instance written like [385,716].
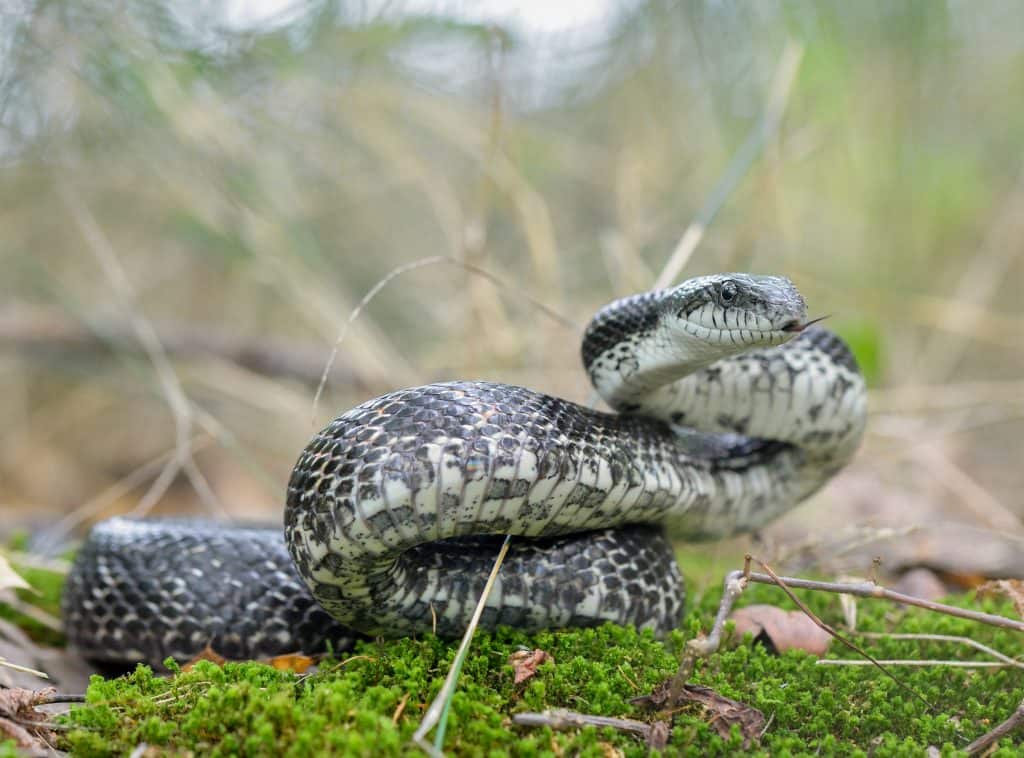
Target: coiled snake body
[730,410]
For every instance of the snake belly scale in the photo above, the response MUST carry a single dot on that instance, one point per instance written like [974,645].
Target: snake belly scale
[728,410]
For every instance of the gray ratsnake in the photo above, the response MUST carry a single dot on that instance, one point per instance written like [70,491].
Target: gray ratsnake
[729,409]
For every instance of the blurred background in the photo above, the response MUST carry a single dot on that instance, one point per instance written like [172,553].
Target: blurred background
[194,196]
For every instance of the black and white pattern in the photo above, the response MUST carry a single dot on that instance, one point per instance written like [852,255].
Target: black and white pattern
[729,412]
[158,588]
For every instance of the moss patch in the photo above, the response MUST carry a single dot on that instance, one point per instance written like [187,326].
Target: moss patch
[353,706]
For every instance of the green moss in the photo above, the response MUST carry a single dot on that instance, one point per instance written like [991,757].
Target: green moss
[349,707]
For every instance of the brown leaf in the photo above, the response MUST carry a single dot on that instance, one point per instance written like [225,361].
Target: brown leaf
[22,737]
[20,721]
[1011,588]
[525,662]
[293,662]
[14,701]
[782,630]
[724,711]
[206,654]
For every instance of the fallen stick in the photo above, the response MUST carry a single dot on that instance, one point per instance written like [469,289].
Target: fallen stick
[985,741]
[736,582]
[46,330]
[654,735]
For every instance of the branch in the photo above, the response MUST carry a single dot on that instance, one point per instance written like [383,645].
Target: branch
[655,735]
[47,330]
[868,589]
[985,741]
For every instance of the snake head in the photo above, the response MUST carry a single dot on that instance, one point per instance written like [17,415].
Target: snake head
[647,340]
[727,313]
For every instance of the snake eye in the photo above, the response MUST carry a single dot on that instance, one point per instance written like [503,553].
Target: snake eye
[727,292]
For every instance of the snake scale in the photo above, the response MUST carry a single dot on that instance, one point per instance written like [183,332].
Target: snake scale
[729,409]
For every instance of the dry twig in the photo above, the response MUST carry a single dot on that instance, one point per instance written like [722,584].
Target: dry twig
[412,266]
[561,719]
[733,589]
[23,669]
[987,740]
[1005,659]
[51,331]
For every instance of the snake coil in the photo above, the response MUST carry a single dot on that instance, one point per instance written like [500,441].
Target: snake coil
[730,409]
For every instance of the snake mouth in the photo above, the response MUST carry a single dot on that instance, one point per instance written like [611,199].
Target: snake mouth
[798,326]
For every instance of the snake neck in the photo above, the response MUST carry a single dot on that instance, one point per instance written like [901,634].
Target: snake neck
[628,355]
[807,392]
[632,348]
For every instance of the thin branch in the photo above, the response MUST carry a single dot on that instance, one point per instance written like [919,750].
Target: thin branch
[943,638]
[737,581]
[987,740]
[915,662]
[561,719]
[24,669]
[867,589]
[835,635]
[413,266]
[47,330]
[59,697]
[782,84]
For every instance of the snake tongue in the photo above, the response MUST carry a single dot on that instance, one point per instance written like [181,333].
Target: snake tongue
[796,326]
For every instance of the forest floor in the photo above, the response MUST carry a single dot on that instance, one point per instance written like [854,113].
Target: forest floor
[370,700]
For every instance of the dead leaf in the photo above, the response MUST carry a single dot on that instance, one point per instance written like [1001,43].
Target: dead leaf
[11,579]
[781,630]
[293,662]
[206,654]
[20,721]
[525,662]
[724,711]
[1011,588]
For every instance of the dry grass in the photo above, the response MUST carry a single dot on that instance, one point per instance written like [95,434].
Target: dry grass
[260,191]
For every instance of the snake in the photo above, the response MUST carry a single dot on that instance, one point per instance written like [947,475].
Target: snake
[727,406]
